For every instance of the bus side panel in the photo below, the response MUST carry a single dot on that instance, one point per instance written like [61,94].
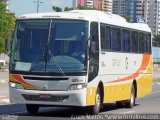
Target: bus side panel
[117,92]
[144,83]
[119,70]
[91,95]
[118,73]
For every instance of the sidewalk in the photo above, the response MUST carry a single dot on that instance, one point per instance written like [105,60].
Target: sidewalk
[4,88]
[4,101]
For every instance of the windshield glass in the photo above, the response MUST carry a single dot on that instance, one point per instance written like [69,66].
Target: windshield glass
[49,46]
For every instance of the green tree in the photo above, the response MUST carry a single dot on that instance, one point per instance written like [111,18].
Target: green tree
[156,41]
[67,9]
[57,9]
[7,23]
[127,18]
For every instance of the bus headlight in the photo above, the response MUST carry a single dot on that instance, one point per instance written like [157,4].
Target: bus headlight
[77,86]
[15,85]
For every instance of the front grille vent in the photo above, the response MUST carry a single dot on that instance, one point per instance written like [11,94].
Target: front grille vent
[46,78]
[49,98]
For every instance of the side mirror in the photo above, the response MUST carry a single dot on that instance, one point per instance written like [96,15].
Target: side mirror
[92,45]
[89,41]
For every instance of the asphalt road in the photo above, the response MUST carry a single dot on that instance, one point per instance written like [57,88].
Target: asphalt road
[147,105]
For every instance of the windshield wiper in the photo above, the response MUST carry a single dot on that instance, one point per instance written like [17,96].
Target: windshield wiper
[50,52]
[54,60]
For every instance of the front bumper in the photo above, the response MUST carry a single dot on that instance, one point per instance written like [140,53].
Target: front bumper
[59,98]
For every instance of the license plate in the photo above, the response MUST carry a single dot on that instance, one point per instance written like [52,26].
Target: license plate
[45,96]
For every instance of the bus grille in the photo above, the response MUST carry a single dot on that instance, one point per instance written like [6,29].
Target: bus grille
[50,98]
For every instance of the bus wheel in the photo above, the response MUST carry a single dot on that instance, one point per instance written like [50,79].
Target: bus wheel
[94,110]
[131,103]
[32,109]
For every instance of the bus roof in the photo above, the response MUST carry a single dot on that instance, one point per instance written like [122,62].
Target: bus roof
[90,15]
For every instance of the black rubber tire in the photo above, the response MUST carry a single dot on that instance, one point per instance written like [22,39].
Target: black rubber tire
[131,103]
[95,109]
[32,109]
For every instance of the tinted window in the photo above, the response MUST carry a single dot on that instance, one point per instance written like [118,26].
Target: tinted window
[125,40]
[108,38]
[134,41]
[105,37]
[116,39]
[94,32]
[148,43]
[142,43]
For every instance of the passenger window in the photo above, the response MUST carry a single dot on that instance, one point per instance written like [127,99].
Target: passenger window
[105,38]
[148,43]
[125,40]
[108,38]
[116,39]
[142,43]
[134,42]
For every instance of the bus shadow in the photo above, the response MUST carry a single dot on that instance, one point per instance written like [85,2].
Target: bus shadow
[112,107]
[71,112]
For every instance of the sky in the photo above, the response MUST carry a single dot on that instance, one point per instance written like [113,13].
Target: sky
[20,7]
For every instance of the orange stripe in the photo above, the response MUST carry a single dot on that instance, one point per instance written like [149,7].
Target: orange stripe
[145,62]
[19,79]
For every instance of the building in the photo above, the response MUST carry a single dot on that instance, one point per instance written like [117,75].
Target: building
[107,6]
[89,3]
[103,5]
[97,4]
[74,4]
[133,9]
[119,7]
[81,3]
[154,16]
[137,9]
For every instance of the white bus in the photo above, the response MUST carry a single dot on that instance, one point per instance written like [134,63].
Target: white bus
[81,58]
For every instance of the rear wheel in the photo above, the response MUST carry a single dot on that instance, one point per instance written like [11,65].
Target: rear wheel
[32,109]
[94,110]
[131,103]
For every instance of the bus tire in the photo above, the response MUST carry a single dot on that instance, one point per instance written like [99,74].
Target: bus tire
[95,109]
[131,103]
[32,109]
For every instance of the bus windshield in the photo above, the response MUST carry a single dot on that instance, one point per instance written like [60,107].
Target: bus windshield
[49,46]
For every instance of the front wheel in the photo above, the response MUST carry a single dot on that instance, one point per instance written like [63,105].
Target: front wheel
[94,110]
[32,109]
[131,103]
